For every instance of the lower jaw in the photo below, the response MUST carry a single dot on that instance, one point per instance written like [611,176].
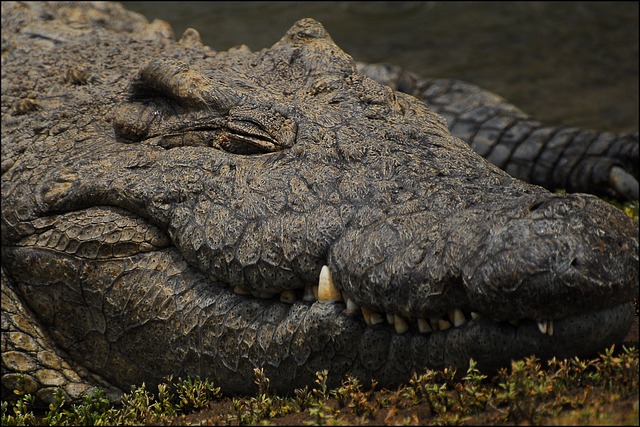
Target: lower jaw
[492,345]
[151,323]
[377,353]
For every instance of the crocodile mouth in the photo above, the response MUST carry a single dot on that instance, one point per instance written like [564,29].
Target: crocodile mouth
[119,235]
[326,291]
[491,342]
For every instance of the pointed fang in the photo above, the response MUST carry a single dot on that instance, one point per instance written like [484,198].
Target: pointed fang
[366,314]
[352,307]
[400,324]
[443,325]
[457,317]
[376,318]
[542,326]
[423,326]
[327,291]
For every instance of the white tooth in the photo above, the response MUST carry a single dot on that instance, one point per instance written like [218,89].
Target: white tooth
[352,307]
[423,326]
[475,315]
[288,296]
[550,327]
[376,318]
[400,324]
[327,291]
[457,317]
[390,319]
[240,290]
[443,324]
[366,313]
[308,295]
[542,326]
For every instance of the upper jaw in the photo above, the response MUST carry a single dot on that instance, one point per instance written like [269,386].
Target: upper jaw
[568,255]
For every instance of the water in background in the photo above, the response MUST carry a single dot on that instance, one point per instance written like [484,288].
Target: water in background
[572,63]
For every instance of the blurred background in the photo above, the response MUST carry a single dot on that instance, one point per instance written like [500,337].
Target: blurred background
[572,63]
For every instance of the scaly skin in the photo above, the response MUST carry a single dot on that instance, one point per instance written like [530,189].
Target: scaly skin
[158,197]
[555,157]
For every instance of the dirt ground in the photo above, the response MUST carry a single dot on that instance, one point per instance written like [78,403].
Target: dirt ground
[596,406]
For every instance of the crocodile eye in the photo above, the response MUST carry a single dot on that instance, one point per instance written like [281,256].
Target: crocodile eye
[253,129]
[171,106]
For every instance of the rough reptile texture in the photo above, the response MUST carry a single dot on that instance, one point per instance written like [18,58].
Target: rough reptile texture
[556,157]
[158,197]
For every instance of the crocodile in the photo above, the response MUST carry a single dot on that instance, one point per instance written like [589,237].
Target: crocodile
[169,210]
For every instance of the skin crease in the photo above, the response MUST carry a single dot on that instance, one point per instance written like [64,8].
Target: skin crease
[409,220]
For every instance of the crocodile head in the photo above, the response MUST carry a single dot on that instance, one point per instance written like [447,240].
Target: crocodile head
[186,232]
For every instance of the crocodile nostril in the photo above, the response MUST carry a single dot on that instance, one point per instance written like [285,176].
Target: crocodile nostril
[535,206]
[574,263]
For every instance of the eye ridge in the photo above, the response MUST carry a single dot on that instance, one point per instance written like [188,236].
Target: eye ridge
[170,106]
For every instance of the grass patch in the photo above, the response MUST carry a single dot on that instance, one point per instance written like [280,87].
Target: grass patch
[603,390]
[630,208]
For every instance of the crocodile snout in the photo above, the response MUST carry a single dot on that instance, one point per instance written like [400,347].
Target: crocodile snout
[536,257]
[570,255]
